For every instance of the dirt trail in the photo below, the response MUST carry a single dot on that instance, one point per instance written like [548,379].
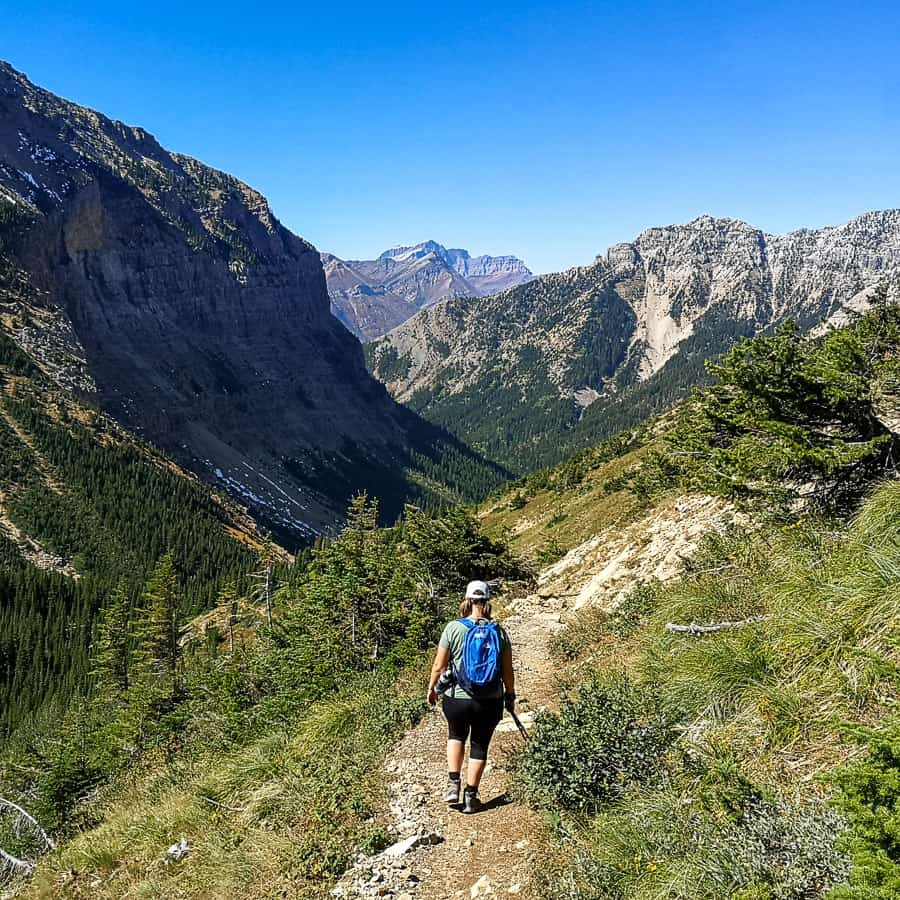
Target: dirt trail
[455,855]
[442,854]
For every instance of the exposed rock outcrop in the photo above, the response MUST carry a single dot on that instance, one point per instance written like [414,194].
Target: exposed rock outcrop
[188,311]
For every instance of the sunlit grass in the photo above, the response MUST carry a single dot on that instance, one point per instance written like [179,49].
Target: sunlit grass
[277,817]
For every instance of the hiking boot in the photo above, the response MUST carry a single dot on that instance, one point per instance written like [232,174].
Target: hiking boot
[452,790]
[471,800]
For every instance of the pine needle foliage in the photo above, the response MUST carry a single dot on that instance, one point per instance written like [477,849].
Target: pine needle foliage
[792,419]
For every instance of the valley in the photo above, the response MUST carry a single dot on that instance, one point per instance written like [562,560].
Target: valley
[244,483]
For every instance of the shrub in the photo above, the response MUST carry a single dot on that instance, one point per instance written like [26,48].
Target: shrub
[869,796]
[598,743]
[669,844]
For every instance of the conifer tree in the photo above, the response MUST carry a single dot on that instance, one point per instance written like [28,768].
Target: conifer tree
[156,625]
[111,656]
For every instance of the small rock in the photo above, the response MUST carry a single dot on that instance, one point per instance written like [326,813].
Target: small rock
[521,845]
[416,840]
[514,889]
[180,850]
[482,888]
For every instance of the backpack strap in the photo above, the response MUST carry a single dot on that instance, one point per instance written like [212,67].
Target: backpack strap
[469,626]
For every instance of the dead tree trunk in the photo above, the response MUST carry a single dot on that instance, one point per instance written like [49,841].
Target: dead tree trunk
[694,629]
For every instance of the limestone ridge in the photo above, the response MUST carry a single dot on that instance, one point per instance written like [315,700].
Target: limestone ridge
[373,296]
[683,272]
[644,311]
[170,292]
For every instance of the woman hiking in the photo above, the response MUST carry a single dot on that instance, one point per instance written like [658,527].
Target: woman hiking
[473,669]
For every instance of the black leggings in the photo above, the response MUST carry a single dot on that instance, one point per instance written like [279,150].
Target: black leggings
[480,717]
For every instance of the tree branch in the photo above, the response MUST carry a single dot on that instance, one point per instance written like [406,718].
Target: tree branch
[694,629]
[13,862]
[48,842]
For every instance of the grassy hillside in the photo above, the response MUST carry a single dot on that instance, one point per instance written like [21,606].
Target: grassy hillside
[547,513]
[733,734]
[261,752]
[750,762]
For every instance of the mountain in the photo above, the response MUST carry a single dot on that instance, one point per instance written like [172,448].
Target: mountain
[548,366]
[373,296]
[167,294]
[83,505]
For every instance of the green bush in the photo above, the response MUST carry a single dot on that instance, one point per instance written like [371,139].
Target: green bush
[792,418]
[669,843]
[601,741]
[869,796]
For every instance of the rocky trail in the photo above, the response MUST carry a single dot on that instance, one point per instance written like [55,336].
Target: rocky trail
[441,853]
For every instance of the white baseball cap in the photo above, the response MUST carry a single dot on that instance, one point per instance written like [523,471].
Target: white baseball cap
[478,590]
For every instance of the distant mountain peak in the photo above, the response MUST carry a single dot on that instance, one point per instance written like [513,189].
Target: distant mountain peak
[373,296]
[414,250]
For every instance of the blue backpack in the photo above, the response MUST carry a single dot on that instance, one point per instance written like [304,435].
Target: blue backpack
[479,672]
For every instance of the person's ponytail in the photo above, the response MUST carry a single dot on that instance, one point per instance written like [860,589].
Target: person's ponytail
[466,607]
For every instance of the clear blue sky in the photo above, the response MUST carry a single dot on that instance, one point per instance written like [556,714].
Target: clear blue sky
[549,130]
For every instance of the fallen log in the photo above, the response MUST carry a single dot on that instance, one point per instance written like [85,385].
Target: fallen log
[694,629]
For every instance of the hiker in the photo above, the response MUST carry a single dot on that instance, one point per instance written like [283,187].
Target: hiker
[473,670]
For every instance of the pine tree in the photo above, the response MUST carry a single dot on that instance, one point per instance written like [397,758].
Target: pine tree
[111,651]
[156,625]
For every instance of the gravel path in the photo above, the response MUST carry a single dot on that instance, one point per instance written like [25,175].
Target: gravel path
[441,853]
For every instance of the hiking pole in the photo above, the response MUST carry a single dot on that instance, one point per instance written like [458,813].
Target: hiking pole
[520,726]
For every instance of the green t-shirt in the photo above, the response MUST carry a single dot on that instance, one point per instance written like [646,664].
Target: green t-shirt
[453,638]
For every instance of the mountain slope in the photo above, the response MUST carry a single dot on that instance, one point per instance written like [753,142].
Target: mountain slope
[169,294]
[541,369]
[83,505]
[373,296]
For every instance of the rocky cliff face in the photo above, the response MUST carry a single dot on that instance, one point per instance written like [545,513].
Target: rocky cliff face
[170,291]
[373,296]
[641,318]
[679,274]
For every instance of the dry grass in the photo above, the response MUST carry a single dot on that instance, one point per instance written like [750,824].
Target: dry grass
[276,818]
[569,517]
